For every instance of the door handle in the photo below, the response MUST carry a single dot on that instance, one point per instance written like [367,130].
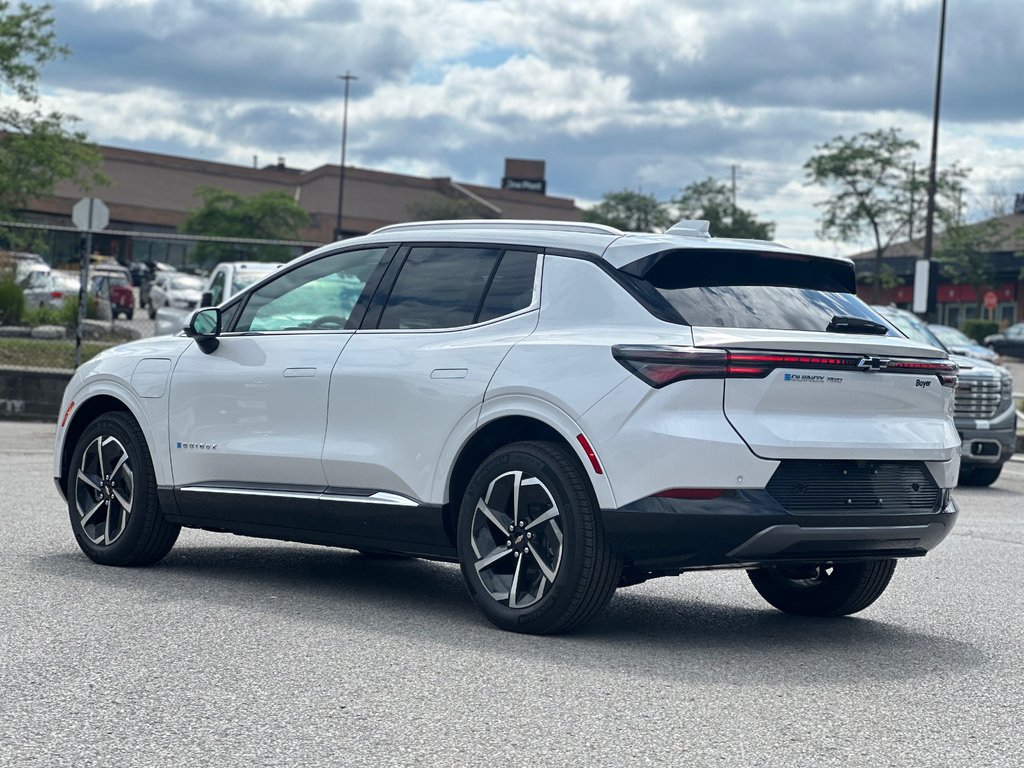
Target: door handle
[449,373]
[291,373]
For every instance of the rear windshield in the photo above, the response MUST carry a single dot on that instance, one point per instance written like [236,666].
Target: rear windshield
[743,289]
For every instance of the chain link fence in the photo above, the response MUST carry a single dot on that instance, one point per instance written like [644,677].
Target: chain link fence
[39,318]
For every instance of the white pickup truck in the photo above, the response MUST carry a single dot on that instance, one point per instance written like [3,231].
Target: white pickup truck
[227,279]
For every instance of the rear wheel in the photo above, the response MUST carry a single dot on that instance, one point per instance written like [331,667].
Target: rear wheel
[980,476]
[531,543]
[112,495]
[823,590]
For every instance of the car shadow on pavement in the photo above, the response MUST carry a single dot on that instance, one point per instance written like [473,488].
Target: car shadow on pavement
[639,633]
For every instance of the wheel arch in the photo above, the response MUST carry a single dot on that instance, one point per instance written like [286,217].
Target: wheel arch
[513,428]
[85,412]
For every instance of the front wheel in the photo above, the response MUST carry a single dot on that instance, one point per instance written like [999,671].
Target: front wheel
[112,495]
[531,544]
[823,590]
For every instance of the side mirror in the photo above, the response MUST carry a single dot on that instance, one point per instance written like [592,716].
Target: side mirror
[204,327]
[207,299]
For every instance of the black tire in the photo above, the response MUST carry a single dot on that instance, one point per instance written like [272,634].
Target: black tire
[565,535]
[128,315]
[131,529]
[151,311]
[836,590]
[979,476]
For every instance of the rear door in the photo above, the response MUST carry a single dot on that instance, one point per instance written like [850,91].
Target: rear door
[417,371]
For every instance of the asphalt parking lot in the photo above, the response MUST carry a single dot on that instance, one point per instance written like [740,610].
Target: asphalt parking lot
[244,652]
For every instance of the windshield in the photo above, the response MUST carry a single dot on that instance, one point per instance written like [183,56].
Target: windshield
[187,283]
[912,328]
[949,335]
[245,279]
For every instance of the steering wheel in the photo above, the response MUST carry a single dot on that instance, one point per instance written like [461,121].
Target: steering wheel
[320,322]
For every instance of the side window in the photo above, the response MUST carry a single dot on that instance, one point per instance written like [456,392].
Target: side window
[439,287]
[511,287]
[318,296]
[217,288]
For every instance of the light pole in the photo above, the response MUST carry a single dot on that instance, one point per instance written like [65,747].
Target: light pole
[929,220]
[348,78]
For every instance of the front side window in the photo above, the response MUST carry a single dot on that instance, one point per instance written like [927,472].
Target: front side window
[317,296]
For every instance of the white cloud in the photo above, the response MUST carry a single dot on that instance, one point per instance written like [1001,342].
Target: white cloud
[612,93]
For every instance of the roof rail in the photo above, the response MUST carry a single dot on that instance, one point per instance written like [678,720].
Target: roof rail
[550,226]
[690,228]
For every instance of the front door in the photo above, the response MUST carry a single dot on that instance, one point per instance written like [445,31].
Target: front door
[247,421]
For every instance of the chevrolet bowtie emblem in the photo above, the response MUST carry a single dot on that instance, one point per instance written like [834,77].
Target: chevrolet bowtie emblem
[872,364]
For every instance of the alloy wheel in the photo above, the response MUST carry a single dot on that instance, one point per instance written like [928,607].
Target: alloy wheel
[104,490]
[517,539]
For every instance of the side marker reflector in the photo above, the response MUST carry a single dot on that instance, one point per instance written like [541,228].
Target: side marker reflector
[590,454]
[66,414]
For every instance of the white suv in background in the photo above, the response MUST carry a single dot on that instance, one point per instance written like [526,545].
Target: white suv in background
[560,408]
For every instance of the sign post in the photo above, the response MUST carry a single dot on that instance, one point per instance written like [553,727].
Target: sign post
[991,302]
[89,214]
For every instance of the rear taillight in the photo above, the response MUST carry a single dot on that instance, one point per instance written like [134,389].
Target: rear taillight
[661,365]
[56,295]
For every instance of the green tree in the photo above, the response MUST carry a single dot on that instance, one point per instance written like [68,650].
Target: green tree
[966,253]
[711,200]
[876,190]
[272,215]
[37,148]
[629,211]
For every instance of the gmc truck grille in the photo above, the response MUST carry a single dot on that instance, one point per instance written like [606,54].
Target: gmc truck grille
[977,398]
[808,487]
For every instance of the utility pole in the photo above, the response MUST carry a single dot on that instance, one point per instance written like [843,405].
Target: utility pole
[910,218]
[348,78]
[733,212]
[922,270]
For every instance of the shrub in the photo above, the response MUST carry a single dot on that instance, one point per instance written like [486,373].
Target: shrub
[12,301]
[34,316]
[979,329]
[67,314]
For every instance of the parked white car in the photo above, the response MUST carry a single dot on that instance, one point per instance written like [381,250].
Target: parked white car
[176,290]
[561,408]
[50,288]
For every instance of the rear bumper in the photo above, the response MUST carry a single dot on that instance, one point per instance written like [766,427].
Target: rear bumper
[749,528]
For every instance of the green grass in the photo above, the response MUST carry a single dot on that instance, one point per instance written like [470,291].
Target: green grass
[39,353]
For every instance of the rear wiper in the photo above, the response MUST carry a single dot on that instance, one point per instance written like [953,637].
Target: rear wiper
[844,324]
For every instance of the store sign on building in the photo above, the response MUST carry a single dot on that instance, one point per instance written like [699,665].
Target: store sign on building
[525,185]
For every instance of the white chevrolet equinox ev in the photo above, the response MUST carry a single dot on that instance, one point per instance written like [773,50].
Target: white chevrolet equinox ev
[560,408]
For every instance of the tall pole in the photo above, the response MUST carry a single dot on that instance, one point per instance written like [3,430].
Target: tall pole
[922,273]
[348,78]
[929,222]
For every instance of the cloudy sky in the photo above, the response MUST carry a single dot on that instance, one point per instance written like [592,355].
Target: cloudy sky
[649,94]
